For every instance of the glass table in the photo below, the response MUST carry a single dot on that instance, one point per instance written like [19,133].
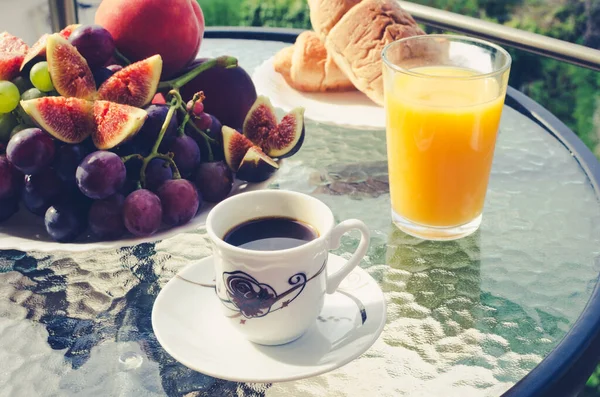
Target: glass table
[502,311]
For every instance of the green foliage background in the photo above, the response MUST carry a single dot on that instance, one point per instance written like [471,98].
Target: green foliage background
[570,92]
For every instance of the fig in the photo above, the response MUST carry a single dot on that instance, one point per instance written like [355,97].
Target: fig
[37,52]
[256,166]
[277,140]
[115,123]
[12,53]
[235,146]
[69,71]
[134,85]
[230,109]
[69,120]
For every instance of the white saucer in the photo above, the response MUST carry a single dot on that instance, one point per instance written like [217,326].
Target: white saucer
[348,109]
[189,324]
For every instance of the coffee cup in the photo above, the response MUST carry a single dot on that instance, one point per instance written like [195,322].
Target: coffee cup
[274,296]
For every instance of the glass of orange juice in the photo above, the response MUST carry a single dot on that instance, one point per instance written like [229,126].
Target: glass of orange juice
[444,96]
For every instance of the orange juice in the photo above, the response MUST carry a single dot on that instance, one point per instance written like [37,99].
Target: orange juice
[440,141]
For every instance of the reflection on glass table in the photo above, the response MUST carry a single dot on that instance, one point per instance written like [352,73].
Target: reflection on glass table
[470,317]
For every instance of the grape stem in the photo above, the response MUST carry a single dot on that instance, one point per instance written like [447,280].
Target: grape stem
[199,96]
[223,62]
[175,104]
[122,57]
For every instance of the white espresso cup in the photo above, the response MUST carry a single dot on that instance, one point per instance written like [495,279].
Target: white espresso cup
[274,297]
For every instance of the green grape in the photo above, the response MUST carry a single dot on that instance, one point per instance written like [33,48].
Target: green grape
[7,122]
[40,77]
[9,96]
[22,84]
[32,93]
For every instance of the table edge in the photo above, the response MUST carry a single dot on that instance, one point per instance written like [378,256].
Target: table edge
[565,369]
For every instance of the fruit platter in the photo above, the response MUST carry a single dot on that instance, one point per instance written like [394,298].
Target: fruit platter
[102,146]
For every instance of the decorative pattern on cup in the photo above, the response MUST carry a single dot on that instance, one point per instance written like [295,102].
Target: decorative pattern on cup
[252,299]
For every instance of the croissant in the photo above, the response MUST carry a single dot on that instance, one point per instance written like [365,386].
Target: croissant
[306,66]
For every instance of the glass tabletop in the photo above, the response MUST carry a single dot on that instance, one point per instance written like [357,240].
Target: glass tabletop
[465,318]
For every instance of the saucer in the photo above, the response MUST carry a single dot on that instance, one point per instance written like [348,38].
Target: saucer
[189,324]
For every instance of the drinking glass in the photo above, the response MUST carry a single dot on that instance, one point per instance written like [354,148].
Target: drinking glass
[444,96]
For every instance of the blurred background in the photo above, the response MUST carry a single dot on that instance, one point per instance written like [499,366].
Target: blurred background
[570,92]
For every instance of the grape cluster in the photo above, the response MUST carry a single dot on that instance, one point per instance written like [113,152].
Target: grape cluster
[159,178]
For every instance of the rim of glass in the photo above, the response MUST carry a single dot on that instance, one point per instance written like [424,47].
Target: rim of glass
[504,68]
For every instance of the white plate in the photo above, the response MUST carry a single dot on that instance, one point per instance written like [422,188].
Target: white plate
[189,324]
[26,232]
[348,109]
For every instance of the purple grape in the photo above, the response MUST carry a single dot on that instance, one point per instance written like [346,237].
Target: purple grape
[180,201]
[187,155]
[204,121]
[68,158]
[101,75]
[106,217]
[94,43]
[142,213]
[157,172]
[63,224]
[10,179]
[214,132]
[8,207]
[40,191]
[100,175]
[148,134]
[30,150]
[214,181]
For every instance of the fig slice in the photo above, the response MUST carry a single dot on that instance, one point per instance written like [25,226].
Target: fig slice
[277,140]
[134,85]
[12,53]
[69,120]
[235,146]
[115,123]
[37,52]
[256,166]
[69,71]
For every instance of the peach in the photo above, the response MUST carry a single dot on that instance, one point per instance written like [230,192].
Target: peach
[142,28]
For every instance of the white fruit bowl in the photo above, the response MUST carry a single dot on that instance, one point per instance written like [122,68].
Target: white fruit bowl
[26,232]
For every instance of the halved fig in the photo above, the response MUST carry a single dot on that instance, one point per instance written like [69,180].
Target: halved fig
[235,146]
[278,140]
[256,166]
[37,52]
[69,71]
[69,120]
[134,85]
[12,53]
[115,123]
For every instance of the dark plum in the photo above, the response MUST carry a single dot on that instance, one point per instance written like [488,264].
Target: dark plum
[180,201]
[8,207]
[101,174]
[148,134]
[68,158]
[106,217]
[157,172]
[10,179]
[41,190]
[214,181]
[94,43]
[230,109]
[30,150]
[187,155]
[142,213]
[63,224]
[101,75]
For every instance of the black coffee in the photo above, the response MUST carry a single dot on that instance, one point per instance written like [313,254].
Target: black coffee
[270,234]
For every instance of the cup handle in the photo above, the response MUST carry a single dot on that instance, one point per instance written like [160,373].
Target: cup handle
[333,281]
